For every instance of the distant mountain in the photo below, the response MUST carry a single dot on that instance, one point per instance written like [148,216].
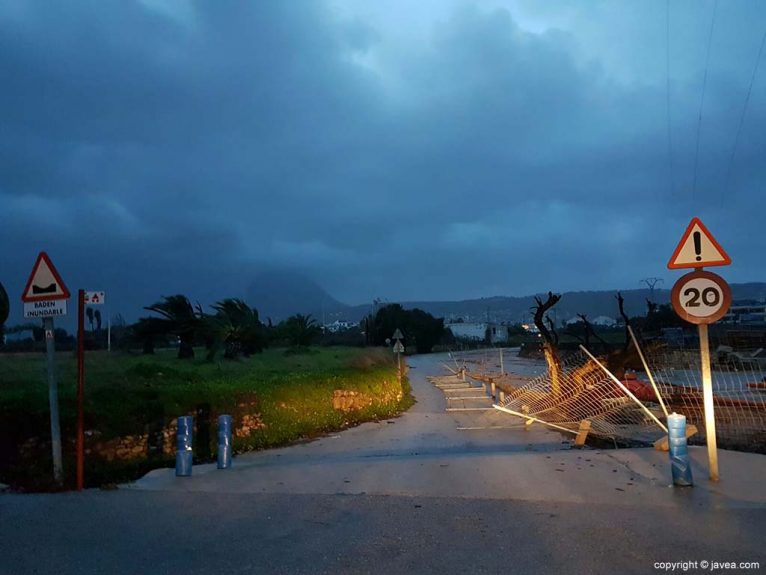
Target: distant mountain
[590,303]
[278,294]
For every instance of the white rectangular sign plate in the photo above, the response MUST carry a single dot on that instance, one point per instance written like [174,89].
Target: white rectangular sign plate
[51,308]
[95,297]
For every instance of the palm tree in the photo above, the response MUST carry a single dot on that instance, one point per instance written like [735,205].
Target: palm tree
[181,320]
[145,331]
[301,330]
[5,309]
[237,325]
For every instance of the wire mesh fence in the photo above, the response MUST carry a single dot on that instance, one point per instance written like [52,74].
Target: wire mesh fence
[581,390]
[739,394]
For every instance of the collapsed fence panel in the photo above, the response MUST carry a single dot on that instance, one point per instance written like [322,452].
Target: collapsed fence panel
[586,392]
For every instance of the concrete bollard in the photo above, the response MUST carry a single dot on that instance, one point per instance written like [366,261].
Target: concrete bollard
[184,454]
[224,441]
[493,390]
[501,397]
[680,466]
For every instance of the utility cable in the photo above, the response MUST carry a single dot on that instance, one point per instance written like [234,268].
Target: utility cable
[742,120]
[667,98]
[702,100]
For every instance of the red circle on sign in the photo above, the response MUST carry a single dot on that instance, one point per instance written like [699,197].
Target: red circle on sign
[701,297]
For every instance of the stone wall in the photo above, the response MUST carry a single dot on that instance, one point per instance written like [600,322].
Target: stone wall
[138,446]
[346,400]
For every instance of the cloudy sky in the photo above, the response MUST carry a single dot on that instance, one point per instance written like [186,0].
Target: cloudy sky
[407,150]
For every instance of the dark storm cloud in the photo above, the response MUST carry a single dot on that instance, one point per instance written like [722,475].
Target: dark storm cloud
[152,153]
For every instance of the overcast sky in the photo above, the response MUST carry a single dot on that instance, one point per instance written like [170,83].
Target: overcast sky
[405,150]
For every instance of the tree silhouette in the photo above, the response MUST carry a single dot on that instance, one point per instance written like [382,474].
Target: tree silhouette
[421,330]
[181,320]
[301,330]
[550,349]
[238,327]
[5,309]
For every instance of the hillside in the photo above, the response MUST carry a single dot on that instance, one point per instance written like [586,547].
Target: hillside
[517,309]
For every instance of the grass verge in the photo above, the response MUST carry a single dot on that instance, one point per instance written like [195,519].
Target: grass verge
[288,393]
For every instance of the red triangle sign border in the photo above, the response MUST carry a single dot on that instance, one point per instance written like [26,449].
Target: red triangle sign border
[697,222]
[42,256]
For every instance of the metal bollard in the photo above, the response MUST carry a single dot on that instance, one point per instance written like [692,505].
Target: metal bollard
[224,441]
[184,454]
[680,466]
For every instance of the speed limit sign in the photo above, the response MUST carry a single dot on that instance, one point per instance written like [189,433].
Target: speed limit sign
[701,297]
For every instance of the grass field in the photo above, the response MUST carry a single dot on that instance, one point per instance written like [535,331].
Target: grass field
[129,394]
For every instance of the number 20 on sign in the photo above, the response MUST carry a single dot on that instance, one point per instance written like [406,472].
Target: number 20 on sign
[701,297]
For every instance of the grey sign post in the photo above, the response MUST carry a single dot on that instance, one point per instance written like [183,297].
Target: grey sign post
[45,297]
[398,349]
[53,400]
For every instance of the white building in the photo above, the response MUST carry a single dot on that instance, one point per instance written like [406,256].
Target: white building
[339,325]
[478,331]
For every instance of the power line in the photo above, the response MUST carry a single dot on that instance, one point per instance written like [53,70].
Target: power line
[702,100]
[667,96]
[742,120]
[650,283]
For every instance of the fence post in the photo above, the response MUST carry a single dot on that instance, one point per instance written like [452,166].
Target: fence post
[184,454]
[224,441]
[680,466]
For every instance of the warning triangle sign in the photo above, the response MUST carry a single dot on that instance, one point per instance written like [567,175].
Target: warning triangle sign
[44,283]
[698,248]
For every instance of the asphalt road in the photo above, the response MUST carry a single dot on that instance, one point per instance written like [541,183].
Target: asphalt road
[430,492]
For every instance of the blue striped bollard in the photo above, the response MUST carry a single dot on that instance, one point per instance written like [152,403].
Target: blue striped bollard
[680,466]
[184,454]
[224,441]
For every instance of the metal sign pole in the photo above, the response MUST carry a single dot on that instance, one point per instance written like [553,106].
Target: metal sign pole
[80,388]
[53,400]
[707,396]
[702,298]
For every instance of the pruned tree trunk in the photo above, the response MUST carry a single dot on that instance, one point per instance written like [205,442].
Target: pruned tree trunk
[550,347]
[586,334]
[186,346]
[589,331]
[625,318]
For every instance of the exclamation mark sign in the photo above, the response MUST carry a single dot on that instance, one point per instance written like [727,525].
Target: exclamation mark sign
[698,245]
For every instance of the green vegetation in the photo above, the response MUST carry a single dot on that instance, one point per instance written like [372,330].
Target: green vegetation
[421,330]
[300,330]
[4,310]
[291,392]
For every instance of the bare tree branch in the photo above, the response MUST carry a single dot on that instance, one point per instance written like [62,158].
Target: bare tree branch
[540,310]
